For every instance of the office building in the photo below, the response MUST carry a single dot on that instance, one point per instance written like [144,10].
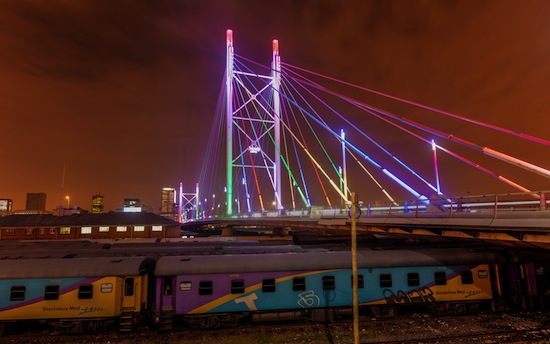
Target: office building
[97,203]
[169,204]
[36,201]
[5,205]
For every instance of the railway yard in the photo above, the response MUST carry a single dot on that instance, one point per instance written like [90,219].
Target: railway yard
[246,291]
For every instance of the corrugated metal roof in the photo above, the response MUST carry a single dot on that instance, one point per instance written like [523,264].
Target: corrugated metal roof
[88,219]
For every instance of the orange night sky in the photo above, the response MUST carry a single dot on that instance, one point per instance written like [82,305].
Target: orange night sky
[123,92]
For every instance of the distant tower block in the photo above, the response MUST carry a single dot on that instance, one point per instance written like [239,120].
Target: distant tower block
[36,201]
[5,205]
[97,203]
[169,204]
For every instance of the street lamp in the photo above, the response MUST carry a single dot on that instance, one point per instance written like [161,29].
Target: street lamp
[68,201]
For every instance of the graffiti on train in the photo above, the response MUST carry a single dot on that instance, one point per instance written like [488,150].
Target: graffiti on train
[422,295]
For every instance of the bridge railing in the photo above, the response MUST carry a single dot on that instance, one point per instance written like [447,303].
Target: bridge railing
[470,206]
[492,206]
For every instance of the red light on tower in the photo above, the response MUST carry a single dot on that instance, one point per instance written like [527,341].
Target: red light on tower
[229,37]
[276,47]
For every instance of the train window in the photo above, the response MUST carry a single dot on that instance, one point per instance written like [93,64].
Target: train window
[413,279]
[299,283]
[167,282]
[128,287]
[467,277]
[17,293]
[205,288]
[185,286]
[329,283]
[268,285]
[360,281]
[440,278]
[51,292]
[106,288]
[385,281]
[86,291]
[237,286]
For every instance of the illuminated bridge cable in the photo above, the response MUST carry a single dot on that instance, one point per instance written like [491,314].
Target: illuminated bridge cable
[244,180]
[214,145]
[320,144]
[248,139]
[316,163]
[319,166]
[371,177]
[305,143]
[484,150]
[446,113]
[293,183]
[283,160]
[298,161]
[385,171]
[290,186]
[363,133]
[266,132]
[313,130]
[453,154]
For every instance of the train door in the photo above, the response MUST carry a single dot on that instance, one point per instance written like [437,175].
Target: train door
[129,294]
[166,302]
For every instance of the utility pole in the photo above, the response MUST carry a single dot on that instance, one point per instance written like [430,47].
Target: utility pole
[355,284]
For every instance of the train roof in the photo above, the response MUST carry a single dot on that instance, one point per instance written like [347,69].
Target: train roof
[124,248]
[320,260]
[75,267]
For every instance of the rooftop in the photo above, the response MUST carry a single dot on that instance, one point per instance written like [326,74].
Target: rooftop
[87,219]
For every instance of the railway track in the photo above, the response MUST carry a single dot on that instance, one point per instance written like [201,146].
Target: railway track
[486,328]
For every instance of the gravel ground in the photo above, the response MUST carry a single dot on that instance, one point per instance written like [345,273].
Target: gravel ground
[420,327]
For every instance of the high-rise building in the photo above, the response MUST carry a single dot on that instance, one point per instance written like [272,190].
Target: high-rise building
[36,201]
[5,205]
[97,203]
[168,203]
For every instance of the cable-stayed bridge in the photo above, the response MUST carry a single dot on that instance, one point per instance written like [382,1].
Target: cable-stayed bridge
[293,143]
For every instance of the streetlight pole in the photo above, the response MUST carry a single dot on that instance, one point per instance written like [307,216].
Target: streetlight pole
[355,284]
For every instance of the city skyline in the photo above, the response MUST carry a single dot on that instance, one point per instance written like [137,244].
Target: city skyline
[119,98]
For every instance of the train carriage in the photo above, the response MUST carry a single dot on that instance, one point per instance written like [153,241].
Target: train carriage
[212,290]
[75,293]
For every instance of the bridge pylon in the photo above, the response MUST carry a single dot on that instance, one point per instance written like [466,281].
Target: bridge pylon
[257,119]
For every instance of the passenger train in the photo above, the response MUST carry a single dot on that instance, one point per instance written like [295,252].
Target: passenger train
[105,288]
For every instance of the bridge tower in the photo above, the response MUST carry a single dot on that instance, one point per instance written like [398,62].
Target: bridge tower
[260,125]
